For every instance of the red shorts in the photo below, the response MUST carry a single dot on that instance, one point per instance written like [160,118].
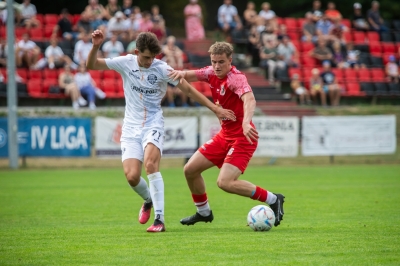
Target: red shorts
[237,152]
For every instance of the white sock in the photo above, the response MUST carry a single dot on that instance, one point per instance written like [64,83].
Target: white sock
[271,198]
[203,209]
[157,194]
[142,189]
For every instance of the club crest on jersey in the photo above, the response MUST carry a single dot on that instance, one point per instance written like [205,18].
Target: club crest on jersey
[222,91]
[152,79]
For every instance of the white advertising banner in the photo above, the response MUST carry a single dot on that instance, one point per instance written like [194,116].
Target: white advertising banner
[348,135]
[180,136]
[279,136]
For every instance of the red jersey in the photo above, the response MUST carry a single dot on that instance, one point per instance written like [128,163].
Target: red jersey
[227,92]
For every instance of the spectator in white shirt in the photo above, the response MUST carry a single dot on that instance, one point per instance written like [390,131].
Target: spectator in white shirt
[117,25]
[82,49]
[27,52]
[132,25]
[268,15]
[86,85]
[28,15]
[228,18]
[113,47]
[56,57]
[287,52]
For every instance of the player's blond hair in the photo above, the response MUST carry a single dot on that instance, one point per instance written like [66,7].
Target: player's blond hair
[221,48]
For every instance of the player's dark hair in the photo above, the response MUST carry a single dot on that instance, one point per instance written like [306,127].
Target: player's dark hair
[221,48]
[148,40]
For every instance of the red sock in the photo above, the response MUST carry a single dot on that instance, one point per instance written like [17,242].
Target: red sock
[200,200]
[260,194]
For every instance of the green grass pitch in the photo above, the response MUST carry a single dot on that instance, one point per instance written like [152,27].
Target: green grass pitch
[339,215]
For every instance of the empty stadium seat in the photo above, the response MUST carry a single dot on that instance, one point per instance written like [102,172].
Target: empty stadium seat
[35,74]
[40,17]
[109,74]
[375,48]
[50,19]
[338,73]
[381,88]
[394,88]
[50,74]
[109,87]
[350,75]
[308,61]
[47,83]
[376,61]
[373,36]
[291,23]
[48,31]
[388,47]
[293,71]
[293,35]
[367,88]
[364,75]
[95,74]
[353,89]
[377,74]
[306,47]
[120,88]
[36,33]
[386,37]
[347,23]
[358,37]
[34,88]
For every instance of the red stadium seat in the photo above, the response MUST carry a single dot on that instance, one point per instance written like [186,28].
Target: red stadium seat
[95,74]
[373,36]
[109,74]
[35,74]
[378,75]
[347,23]
[19,32]
[300,22]
[388,47]
[350,75]
[76,18]
[348,36]
[120,89]
[109,87]
[291,23]
[34,88]
[308,61]
[353,89]
[364,75]
[338,73]
[98,82]
[359,37]
[50,74]
[375,48]
[40,17]
[50,19]
[47,83]
[293,71]
[36,33]
[23,73]
[3,31]
[48,31]
[293,35]
[306,47]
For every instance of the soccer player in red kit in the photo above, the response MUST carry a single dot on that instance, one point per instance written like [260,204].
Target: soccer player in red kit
[232,148]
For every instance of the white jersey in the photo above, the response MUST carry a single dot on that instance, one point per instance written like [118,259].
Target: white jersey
[144,89]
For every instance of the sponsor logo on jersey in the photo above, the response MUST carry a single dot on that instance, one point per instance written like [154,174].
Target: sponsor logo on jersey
[152,79]
[143,90]
[132,74]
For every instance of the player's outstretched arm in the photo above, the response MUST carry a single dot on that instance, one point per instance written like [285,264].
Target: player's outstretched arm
[249,105]
[191,92]
[189,75]
[93,62]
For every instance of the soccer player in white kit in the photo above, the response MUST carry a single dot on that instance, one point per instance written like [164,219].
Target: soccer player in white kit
[145,83]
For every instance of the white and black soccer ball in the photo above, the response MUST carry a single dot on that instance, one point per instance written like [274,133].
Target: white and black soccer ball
[261,218]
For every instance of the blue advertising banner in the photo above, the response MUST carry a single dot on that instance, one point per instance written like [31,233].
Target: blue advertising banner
[49,137]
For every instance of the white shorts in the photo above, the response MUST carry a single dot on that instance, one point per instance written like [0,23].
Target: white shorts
[134,140]
[300,90]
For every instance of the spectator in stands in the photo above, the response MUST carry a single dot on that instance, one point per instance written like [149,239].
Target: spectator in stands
[117,25]
[173,92]
[84,25]
[352,57]
[337,30]
[282,31]
[86,85]
[138,13]
[316,10]
[3,52]
[374,18]
[324,26]
[316,87]
[131,47]
[392,69]
[132,26]
[173,54]
[26,52]
[111,9]
[64,26]
[338,56]
[287,53]
[228,18]
[331,85]
[113,47]
[28,15]
[155,15]
[331,12]
[299,90]
[146,24]
[194,21]
[159,31]
[250,15]
[82,49]
[66,82]
[309,29]
[127,8]
[321,52]
[268,15]
[96,13]
[55,57]
[253,46]
[269,58]
[359,22]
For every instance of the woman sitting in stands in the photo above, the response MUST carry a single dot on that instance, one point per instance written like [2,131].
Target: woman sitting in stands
[66,82]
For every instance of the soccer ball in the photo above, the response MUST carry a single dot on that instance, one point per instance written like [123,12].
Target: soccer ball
[261,218]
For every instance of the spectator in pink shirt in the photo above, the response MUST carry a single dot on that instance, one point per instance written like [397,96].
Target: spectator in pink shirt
[146,24]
